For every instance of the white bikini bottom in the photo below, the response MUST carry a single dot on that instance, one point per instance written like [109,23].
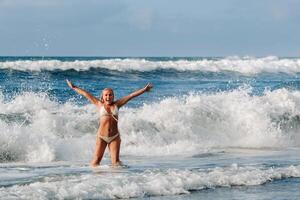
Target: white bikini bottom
[109,139]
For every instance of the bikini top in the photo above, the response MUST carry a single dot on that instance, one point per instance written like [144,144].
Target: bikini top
[114,113]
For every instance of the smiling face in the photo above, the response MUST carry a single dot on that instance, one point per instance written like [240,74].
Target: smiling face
[108,96]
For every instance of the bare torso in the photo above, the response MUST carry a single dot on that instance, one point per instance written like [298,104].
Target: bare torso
[108,124]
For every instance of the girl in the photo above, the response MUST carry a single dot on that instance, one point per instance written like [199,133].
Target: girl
[108,132]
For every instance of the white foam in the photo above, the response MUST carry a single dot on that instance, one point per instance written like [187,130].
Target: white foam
[34,128]
[152,182]
[204,121]
[245,65]
[41,130]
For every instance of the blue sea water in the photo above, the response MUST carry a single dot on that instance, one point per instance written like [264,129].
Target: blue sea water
[211,128]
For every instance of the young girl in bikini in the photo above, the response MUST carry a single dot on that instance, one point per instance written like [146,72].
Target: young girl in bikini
[108,132]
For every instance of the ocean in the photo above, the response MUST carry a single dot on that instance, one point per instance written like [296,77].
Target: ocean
[211,128]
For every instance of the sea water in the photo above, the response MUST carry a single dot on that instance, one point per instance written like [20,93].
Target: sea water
[211,128]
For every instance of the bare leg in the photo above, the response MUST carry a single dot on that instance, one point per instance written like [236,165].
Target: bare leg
[114,148]
[99,152]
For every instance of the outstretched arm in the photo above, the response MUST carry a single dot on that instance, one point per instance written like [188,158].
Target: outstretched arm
[84,93]
[127,98]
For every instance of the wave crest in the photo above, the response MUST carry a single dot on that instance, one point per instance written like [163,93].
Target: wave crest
[244,65]
[193,124]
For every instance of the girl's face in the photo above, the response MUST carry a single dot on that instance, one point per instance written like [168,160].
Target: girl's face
[108,96]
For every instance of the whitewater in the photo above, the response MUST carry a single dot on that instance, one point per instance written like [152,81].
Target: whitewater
[212,128]
[247,65]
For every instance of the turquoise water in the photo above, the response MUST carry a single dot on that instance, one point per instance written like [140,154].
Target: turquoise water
[212,128]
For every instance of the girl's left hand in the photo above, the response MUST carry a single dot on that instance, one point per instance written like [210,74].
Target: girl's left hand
[70,84]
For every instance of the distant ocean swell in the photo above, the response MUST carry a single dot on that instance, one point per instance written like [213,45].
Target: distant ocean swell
[37,129]
[244,65]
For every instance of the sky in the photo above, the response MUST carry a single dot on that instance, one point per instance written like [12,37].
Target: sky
[150,28]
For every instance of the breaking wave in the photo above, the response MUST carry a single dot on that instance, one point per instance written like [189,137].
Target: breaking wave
[34,128]
[152,182]
[244,65]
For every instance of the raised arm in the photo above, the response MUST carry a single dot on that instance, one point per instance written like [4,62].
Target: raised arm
[84,93]
[127,98]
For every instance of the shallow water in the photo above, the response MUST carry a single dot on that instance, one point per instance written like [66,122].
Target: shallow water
[238,173]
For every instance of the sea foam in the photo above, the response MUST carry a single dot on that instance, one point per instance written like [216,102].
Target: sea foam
[34,128]
[151,182]
[245,65]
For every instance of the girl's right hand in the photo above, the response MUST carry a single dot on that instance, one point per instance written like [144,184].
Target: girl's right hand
[148,87]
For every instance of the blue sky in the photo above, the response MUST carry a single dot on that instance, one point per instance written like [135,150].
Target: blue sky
[150,28]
